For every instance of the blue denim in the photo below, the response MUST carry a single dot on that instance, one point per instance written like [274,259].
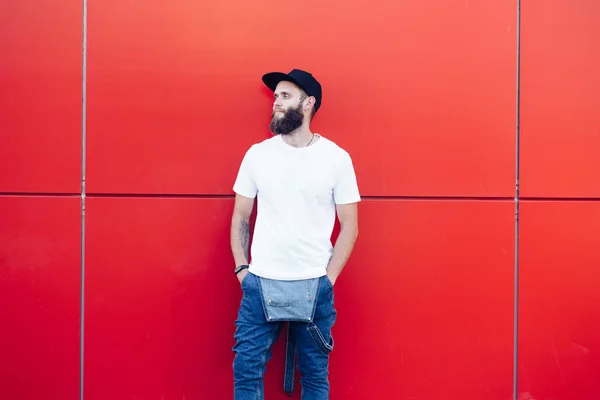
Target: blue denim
[254,337]
[289,300]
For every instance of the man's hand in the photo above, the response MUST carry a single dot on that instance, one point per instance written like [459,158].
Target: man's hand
[242,274]
[331,278]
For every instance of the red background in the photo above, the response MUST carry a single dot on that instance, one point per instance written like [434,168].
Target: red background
[423,94]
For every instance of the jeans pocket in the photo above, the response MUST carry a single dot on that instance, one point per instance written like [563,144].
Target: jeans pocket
[245,279]
[316,334]
[329,282]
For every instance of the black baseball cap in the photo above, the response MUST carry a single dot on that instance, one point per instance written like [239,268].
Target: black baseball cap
[303,79]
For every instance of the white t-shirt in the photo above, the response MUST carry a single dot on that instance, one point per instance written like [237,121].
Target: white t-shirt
[297,190]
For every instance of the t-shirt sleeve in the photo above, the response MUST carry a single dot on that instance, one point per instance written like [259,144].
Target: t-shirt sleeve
[345,190]
[245,183]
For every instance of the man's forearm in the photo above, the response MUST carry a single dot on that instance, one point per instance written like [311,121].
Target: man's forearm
[342,250]
[240,240]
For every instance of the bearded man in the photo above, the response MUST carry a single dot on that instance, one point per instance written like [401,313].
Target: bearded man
[301,181]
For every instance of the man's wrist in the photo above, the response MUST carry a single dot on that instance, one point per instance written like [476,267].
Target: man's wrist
[240,268]
[332,277]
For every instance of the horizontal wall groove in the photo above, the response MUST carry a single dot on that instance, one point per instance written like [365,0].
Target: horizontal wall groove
[39,194]
[161,195]
[231,196]
[439,198]
[559,199]
[364,197]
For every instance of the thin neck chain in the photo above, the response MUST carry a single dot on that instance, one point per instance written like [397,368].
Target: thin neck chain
[311,139]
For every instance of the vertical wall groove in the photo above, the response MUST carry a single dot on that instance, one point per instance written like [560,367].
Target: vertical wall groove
[83,162]
[517,188]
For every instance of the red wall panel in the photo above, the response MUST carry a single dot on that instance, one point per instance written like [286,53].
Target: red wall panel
[39,298]
[425,306]
[161,299]
[175,96]
[560,83]
[559,305]
[40,96]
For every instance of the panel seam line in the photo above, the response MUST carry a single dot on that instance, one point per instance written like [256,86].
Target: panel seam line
[83,189]
[517,204]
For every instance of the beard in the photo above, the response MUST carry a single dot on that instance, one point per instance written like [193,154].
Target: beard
[291,120]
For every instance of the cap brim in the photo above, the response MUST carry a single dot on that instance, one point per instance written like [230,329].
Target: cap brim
[272,79]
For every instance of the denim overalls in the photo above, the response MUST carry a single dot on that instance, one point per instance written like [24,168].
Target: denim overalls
[308,308]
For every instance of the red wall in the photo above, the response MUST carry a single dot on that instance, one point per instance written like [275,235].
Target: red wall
[423,94]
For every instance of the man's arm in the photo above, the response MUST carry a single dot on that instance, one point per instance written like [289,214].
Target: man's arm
[348,216]
[240,231]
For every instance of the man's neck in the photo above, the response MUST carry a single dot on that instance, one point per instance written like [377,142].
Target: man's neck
[299,138]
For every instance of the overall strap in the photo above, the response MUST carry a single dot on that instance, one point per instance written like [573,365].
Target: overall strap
[290,361]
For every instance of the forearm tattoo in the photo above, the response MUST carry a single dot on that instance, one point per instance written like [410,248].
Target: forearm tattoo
[245,237]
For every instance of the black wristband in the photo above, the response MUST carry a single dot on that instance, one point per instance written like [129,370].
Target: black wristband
[240,268]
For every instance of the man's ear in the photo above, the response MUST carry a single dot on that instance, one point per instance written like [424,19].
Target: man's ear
[310,101]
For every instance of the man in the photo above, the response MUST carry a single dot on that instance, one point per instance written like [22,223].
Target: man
[302,180]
